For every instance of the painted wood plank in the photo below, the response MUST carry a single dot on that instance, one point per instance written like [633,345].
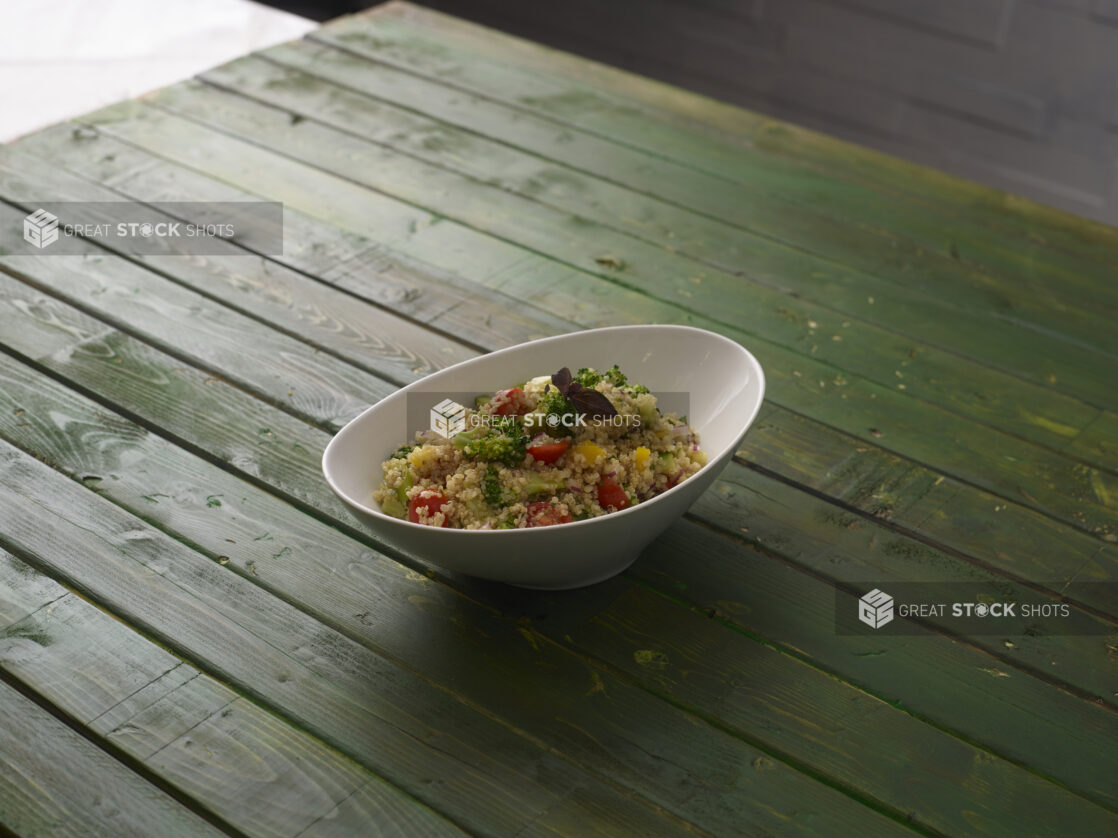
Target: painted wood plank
[319,256]
[1026,546]
[885,254]
[56,784]
[266,542]
[252,771]
[567,235]
[293,297]
[947,683]
[848,548]
[516,689]
[924,502]
[373,710]
[404,350]
[151,384]
[795,380]
[960,323]
[691,667]
[303,589]
[986,227]
[329,392]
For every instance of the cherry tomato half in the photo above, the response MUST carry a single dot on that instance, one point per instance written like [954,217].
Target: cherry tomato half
[429,500]
[549,452]
[511,402]
[545,514]
[610,494]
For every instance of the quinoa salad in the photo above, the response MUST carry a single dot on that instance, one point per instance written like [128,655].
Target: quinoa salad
[555,449]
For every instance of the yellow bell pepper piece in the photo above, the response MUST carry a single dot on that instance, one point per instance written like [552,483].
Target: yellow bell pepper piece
[591,451]
[424,457]
[640,456]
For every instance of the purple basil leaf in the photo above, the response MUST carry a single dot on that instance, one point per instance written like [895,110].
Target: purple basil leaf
[562,380]
[592,403]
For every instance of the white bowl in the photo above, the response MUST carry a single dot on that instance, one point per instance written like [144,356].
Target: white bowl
[725,386]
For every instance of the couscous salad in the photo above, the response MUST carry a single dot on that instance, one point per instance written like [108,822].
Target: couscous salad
[552,450]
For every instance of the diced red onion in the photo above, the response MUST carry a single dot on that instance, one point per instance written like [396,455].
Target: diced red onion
[681,430]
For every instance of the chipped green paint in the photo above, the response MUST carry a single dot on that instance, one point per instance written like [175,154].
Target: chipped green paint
[651,659]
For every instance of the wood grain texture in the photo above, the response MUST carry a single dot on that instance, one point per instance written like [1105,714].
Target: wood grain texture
[317,258]
[418,737]
[847,548]
[959,323]
[942,681]
[458,675]
[570,230]
[959,218]
[796,380]
[884,253]
[927,503]
[250,769]
[55,784]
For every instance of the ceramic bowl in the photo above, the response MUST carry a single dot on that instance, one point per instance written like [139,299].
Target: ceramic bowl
[721,383]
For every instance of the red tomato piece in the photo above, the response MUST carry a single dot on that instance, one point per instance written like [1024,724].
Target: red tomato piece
[610,494]
[545,514]
[549,452]
[511,402]
[429,500]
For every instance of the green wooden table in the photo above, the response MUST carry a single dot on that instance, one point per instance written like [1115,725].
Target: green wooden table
[197,639]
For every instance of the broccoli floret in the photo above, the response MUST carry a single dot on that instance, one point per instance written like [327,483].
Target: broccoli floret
[588,377]
[615,376]
[502,441]
[491,488]
[554,403]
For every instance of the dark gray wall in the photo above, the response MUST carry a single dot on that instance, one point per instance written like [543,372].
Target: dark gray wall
[1018,94]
